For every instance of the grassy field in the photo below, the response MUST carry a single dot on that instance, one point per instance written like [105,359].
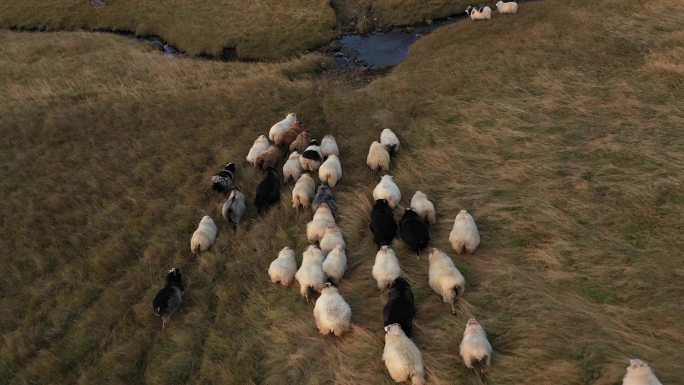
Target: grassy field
[560,130]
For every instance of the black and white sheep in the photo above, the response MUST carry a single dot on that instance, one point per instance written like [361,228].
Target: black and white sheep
[390,141]
[475,348]
[224,180]
[312,157]
[268,190]
[168,300]
[235,208]
[400,306]
[414,231]
[402,357]
[331,312]
[382,224]
[444,278]
[479,13]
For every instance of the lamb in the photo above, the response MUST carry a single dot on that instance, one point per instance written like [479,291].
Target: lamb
[400,306]
[329,146]
[507,7]
[315,230]
[289,136]
[422,205]
[268,191]
[378,158]
[464,234]
[261,145]
[444,278]
[335,264]
[389,190]
[224,180]
[386,267]
[402,357]
[481,13]
[414,231]
[301,142]
[333,237]
[168,300]
[639,373]
[390,141]
[303,192]
[292,169]
[310,274]
[383,225]
[312,157]
[282,126]
[324,194]
[332,312]
[235,208]
[269,158]
[204,236]
[475,348]
[282,269]
[330,171]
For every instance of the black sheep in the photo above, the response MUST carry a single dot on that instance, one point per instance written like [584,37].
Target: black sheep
[383,225]
[224,180]
[400,306]
[168,299]
[414,231]
[268,191]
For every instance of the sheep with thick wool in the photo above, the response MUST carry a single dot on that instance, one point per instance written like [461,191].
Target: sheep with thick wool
[386,267]
[507,7]
[332,312]
[481,13]
[639,373]
[331,238]
[324,194]
[330,171]
[301,142]
[282,270]
[475,348]
[261,145]
[292,169]
[269,158]
[422,205]
[444,278]
[282,126]
[378,158]
[464,234]
[402,357]
[204,236]
[329,146]
[335,264]
[303,192]
[286,138]
[390,141]
[312,157]
[310,274]
[315,230]
[389,190]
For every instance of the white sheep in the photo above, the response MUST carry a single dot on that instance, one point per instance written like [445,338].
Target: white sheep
[260,146]
[402,357]
[475,348]
[639,373]
[332,312]
[507,7]
[464,234]
[315,230]
[281,127]
[330,171]
[303,191]
[389,190]
[482,13]
[335,264]
[378,158]
[329,146]
[444,277]
[282,269]
[390,141]
[422,205]
[331,238]
[386,267]
[204,236]
[310,274]
[292,169]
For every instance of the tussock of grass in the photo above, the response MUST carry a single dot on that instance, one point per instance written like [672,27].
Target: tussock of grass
[558,129]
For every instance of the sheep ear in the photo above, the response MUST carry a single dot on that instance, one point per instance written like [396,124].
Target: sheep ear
[386,328]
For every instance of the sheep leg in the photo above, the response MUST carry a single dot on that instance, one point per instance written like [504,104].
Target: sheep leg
[453,307]
[163,325]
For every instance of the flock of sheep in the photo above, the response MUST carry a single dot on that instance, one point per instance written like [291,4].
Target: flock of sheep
[324,262]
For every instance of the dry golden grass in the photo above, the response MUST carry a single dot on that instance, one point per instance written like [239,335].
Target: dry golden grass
[558,129]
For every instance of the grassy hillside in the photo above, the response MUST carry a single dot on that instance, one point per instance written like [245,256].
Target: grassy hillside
[255,29]
[559,130]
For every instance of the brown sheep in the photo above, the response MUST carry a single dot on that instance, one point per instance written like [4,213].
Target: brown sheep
[270,158]
[301,143]
[290,135]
